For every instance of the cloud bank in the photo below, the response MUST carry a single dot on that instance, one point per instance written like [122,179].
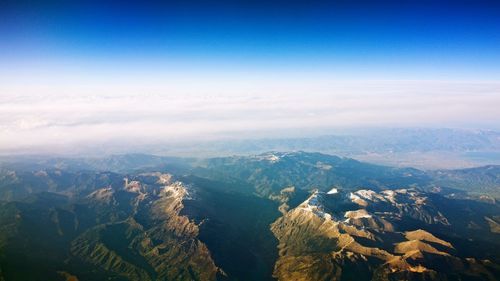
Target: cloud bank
[49,115]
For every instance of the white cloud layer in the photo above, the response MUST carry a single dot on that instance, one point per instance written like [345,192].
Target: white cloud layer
[77,111]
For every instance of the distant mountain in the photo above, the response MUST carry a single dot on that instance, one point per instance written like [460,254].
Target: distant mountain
[376,141]
[479,180]
[113,163]
[17,185]
[425,148]
[270,172]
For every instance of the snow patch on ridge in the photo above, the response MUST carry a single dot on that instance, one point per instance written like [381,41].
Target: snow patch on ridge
[333,191]
[313,205]
[358,214]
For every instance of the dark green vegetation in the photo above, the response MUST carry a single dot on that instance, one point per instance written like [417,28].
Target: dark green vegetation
[141,217]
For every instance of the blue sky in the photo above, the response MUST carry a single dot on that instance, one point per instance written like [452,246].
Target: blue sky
[89,73]
[451,40]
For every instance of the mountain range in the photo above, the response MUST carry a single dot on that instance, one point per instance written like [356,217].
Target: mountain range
[270,216]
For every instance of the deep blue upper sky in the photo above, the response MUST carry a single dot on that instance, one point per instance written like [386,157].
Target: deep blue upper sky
[375,39]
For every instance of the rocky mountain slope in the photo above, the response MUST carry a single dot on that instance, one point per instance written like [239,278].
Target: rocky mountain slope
[154,242]
[134,232]
[359,236]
